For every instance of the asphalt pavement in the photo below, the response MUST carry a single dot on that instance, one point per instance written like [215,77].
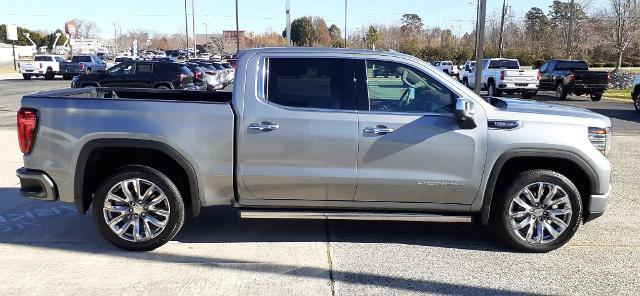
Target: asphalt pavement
[47,248]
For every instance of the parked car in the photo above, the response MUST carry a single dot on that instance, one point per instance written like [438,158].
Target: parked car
[214,77]
[505,75]
[231,72]
[119,60]
[226,78]
[82,64]
[299,134]
[47,66]
[199,76]
[445,66]
[572,77]
[464,72]
[144,74]
[635,94]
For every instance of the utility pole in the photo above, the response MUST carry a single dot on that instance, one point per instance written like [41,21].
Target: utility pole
[206,34]
[567,53]
[501,42]
[193,25]
[115,37]
[345,23]
[482,13]
[237,30]
[186,28]
[287,8]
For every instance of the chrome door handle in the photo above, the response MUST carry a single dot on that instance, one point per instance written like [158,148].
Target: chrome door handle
[264,126]
[379,130]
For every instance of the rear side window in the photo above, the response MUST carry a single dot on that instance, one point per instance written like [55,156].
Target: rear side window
[144,68]
[184,70]
[42,59]
[572,65]
[311,83]
[504,64]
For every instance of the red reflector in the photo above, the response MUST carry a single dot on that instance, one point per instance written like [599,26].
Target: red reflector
[27,122]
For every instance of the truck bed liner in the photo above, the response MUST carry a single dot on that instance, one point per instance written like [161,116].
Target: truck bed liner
[139,93]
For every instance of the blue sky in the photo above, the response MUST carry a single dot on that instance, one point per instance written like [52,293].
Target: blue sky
[168,16]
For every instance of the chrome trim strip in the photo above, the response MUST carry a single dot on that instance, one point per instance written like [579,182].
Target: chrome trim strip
[370,216]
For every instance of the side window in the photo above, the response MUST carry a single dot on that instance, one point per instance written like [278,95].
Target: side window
[121,69]
[395,87]
[144,68]
[311,83]
[544,67]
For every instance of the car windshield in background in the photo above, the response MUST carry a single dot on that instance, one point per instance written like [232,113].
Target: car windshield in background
[83,59]
[504,64]
[42,59]
[227,65]
[572,65]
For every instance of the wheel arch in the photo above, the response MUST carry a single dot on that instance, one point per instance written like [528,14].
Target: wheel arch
[567,163]
[89,157]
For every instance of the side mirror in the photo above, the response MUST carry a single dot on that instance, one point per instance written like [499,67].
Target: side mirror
[465,113]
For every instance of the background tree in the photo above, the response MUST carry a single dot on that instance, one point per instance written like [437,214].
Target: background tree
[372,37]
[625,15]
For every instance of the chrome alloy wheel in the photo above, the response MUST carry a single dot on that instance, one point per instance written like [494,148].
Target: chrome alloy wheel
[540,213]
[136,210]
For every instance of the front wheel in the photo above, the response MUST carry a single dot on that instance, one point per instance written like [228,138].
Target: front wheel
[561,92]
[596,96]
[138,208]
[539,212]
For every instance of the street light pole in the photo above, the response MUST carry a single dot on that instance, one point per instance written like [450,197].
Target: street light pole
[482,13]
[193,25]
[186,28]
[206,34]
[287,7]
[115,37]
[567,53]
[237,30]
[345,23]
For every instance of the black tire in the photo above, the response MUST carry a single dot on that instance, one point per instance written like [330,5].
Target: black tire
[176,215]
[465,82]
[561,92]
[493,91]
[596,96]
[26,76]
[636,101]
[500,219]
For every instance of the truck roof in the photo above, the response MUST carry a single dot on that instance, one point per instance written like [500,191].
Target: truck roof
[321,50]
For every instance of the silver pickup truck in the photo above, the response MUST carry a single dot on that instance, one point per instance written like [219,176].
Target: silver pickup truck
[311,133]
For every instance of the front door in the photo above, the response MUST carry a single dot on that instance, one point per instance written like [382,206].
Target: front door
[411,148]
[119,75]
[299,136]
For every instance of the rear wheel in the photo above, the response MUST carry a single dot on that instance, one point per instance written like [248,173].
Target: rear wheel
[636,102]
[26,76]
[493,91]
[561,92]
[596,96]
[539,212]
[138,208]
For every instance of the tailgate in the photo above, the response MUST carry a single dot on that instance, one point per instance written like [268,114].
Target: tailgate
[588,77]
[30,66]
[520,75]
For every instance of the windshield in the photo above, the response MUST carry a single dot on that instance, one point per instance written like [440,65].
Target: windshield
[572,65]
[42,59]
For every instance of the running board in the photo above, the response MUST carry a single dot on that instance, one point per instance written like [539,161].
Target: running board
[368,216]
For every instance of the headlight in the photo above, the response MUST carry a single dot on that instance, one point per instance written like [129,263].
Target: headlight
[601,139]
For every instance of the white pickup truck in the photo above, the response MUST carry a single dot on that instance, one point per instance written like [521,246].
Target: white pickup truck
[42,65]
[505,75]
[446,67]
[464,72]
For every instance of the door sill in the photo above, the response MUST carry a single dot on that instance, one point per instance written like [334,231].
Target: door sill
[353,215]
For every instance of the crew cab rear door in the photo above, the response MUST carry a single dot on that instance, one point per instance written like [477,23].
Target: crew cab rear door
[298,136]
[411,148]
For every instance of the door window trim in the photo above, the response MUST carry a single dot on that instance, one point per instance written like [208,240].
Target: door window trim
[364,89]
[262,81]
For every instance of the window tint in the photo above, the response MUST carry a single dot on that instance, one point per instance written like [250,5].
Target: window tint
[143,68]
[310,83]
[571,65]
[395,87]
[42,59]
[544,67]
[60,60]
[504,64]
[121,69]
[84,59]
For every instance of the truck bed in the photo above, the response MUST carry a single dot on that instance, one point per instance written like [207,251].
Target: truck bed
[139,94]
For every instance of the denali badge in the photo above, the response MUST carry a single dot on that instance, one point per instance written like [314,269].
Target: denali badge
[440,183]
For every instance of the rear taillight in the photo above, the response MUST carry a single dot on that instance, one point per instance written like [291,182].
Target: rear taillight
[81,66]
[501,75]
[571,77]
[27,123]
